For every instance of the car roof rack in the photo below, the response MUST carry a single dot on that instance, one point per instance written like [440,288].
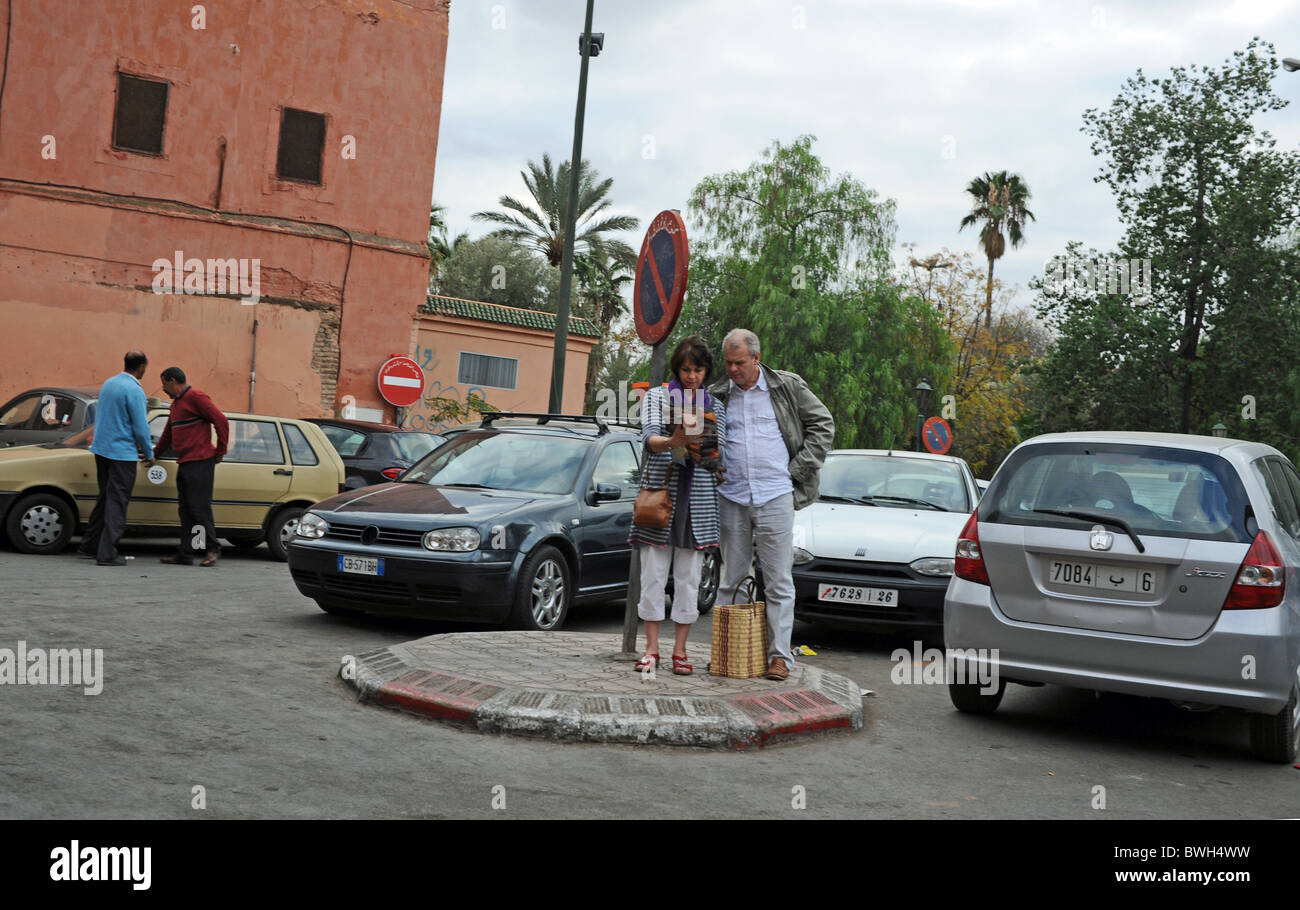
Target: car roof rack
[543,419]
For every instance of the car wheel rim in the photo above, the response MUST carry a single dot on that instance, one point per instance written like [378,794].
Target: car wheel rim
[41,526]
[1295,714]
[708,584]
[287,532]
[548,594]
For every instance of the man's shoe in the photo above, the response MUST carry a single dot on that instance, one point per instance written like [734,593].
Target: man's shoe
[777,669]
[115,561]
[210,559]
[176,559]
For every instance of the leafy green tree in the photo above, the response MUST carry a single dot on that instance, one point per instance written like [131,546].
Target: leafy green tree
[1209,201]
[997,201]
[601,282]
[495,270]
[540,224]
[803,259]
[440,247]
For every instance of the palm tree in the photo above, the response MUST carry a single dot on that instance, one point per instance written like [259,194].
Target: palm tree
[601,300]
[439,246]
[540,225]
[998,200]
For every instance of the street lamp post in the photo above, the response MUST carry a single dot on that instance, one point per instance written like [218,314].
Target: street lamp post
[922,392]
[589,46]
[1219,430]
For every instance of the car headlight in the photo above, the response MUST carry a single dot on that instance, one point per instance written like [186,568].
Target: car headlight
[456,540]
[933,566]
[312,526]
[802,556]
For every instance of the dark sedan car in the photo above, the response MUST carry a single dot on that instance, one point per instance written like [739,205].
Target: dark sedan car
[508,524]
[375,452]
[49,414]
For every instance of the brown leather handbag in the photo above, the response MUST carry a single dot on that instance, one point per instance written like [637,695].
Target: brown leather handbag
[654,507]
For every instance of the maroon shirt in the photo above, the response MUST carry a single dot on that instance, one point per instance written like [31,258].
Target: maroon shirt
[188,428]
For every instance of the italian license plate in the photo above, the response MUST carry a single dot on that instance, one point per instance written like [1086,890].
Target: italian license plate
[361,565]
[845,594]
[1098,575]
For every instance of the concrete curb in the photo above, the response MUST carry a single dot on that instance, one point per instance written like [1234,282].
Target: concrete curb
[812,701]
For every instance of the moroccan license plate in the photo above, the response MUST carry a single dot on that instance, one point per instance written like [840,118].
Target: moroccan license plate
[361,565]
[1099,575]
[845,594]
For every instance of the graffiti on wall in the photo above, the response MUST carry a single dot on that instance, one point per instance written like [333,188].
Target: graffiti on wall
[419,416]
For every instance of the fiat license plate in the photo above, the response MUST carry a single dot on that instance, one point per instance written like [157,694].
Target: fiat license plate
[845,594]
[1133,579]
[361,565]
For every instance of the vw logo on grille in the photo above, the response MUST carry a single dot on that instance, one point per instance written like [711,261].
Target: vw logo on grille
[370,535]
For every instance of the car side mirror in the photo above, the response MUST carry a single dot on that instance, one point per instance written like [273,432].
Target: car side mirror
[605,492]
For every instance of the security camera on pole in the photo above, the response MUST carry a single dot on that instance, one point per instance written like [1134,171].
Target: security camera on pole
[656,303]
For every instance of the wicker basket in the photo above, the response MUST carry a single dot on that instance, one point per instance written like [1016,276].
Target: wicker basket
[739,640]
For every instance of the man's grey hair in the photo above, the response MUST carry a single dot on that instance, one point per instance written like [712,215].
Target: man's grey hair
[737,337]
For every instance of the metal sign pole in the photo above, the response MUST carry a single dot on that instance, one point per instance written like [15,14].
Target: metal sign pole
[630,618]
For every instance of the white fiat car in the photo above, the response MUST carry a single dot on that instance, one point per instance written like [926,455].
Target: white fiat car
[876,549]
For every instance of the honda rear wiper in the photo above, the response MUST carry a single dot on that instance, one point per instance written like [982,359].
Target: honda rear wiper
[1100,519]
[915,502]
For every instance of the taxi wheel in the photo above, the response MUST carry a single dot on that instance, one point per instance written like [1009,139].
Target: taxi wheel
[1276,737]
[40,523]
[543,594]
[245,543]
[280,532]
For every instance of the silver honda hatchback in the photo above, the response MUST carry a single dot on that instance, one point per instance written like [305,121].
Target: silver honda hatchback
[1143,563]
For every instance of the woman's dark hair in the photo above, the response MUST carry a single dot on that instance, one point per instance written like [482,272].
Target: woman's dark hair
[695,349]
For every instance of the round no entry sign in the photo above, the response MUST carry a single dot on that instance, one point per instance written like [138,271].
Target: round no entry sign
[401,381]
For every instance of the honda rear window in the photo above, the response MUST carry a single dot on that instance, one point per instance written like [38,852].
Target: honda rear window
[1159,491]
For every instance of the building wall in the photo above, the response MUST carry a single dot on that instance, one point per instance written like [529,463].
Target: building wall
[440,340]
[343,265]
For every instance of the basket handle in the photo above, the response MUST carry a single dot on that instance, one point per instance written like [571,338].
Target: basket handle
[753,587]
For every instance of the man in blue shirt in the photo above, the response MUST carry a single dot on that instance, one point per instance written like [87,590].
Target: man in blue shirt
[121,442]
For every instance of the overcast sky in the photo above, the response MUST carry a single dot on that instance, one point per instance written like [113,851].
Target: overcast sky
[911,98]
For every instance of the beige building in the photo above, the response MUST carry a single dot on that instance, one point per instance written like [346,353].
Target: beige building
[498,353]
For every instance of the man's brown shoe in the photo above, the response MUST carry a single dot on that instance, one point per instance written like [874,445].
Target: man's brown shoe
[777,669]
[210,559]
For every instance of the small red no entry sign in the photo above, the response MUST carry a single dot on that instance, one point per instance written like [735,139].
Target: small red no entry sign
[401,381]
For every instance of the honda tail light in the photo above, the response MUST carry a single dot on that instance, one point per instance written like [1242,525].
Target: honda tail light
[1261,580]
[969,563]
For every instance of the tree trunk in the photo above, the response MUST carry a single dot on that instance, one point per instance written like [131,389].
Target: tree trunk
[988,299]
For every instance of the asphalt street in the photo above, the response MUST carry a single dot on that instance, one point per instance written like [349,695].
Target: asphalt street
[226,679]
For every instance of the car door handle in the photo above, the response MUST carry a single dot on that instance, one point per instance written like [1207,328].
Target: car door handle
[284,472]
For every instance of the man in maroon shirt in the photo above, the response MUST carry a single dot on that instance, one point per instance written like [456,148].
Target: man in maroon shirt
[189,428]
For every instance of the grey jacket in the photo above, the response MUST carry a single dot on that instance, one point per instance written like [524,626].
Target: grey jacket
[806,426]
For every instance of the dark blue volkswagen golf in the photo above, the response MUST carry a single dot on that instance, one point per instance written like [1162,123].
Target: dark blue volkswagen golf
[502,524]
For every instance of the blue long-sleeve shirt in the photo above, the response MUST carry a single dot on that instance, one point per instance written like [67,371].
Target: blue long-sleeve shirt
[121,427]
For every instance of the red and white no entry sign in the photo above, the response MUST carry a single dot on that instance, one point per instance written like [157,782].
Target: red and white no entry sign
[401,381]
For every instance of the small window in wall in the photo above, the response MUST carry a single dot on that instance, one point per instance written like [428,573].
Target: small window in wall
[484,369]
[140,115]
[302,142]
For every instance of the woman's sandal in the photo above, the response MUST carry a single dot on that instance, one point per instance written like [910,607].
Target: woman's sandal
[681,667]
[647,661]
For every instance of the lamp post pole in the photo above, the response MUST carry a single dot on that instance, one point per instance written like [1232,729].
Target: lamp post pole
[922,391]
[566,261]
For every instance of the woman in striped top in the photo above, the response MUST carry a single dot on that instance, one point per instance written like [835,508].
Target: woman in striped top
[676,422]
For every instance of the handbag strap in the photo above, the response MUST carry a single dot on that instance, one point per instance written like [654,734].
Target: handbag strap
[753,587]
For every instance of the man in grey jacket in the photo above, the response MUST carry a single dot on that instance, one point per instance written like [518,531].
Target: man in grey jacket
[778,434]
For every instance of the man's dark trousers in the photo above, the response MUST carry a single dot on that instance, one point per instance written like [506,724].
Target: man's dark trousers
[194,484]
[108,520]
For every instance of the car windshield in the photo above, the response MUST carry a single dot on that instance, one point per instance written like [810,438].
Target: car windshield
[534,463]
[895,481]
[1160,491]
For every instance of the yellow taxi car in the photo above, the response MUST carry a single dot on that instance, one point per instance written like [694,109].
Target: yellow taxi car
[275,469]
